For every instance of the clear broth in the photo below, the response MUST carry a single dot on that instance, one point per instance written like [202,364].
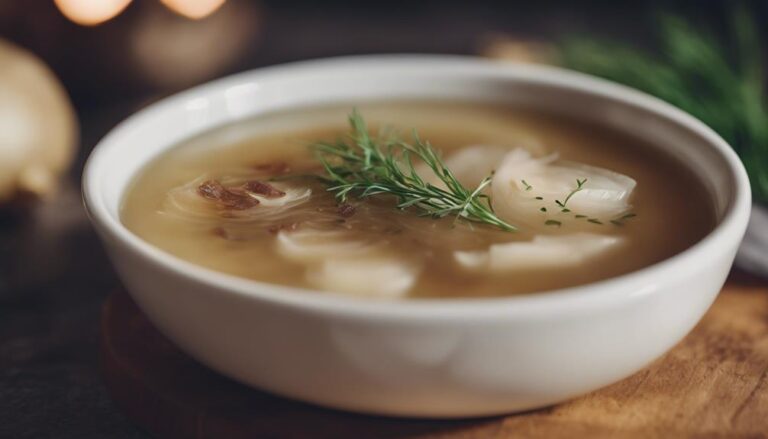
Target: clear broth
[674,209]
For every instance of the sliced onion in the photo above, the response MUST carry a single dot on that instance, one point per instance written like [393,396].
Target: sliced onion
[385,277]
[340,261]
[294,195]
[312,246]
[471,165]
[185,203]
[521,178]
[541,252]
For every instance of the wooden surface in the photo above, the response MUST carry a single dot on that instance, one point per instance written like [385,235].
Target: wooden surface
[713,384]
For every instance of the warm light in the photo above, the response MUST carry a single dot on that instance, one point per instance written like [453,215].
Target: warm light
[195,9]
[91,12]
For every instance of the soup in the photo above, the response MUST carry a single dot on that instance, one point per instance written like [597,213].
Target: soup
[532,201]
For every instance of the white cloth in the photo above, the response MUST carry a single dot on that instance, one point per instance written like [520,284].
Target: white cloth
[753,253]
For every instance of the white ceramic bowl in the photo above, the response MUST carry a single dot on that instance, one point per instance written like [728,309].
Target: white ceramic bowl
[420,358]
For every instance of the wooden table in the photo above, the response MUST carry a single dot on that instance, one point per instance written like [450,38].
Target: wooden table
[713,384]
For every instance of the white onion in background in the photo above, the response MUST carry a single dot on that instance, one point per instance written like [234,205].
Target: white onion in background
[38,126]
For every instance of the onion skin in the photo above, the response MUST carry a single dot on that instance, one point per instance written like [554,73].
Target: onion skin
[38,127]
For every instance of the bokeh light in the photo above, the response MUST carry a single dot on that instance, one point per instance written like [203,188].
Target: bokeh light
[91,12]
[194,9]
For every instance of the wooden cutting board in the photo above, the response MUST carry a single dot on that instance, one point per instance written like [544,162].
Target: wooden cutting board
[713,384]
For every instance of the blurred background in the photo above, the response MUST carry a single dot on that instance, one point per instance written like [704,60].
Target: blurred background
[71,69]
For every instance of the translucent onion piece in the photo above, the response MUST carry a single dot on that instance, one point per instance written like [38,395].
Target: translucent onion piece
[385,277]
[186,203]
[605,195]
[539,253]
[339,261]
[470,165]
[312,246]
[293,196]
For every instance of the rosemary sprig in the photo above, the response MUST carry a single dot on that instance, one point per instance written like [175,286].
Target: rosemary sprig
[369,166]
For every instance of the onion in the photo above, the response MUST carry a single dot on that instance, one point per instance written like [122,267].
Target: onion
[312,246]
[385,277]
[185,203]
[521,178]
[38,128]
[540,252]
[340,261]
[470,165]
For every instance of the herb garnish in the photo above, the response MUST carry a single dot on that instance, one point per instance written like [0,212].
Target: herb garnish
[622,219]
[527,186]
[579,187]
[717,77]
[369,166]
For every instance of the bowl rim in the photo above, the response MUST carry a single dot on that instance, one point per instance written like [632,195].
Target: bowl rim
[728,232]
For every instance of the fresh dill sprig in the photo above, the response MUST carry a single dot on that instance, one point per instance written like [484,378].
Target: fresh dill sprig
[369,166]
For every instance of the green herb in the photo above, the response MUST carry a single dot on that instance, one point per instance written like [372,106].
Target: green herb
[552,222]
[527,186]
[368,166]
[539,198]
[594,221]
[579,187]
[543,209]
[718,80]
[565,210]
[579,216]
[622,219]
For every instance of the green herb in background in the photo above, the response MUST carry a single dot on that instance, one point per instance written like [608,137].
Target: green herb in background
[698,73]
